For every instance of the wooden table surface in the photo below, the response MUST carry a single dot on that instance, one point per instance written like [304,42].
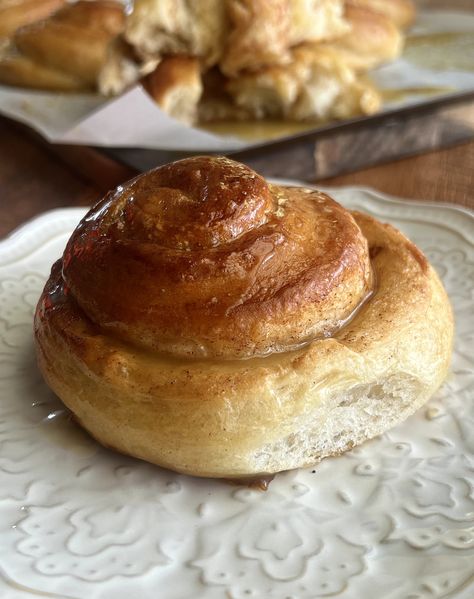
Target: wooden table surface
[33,179]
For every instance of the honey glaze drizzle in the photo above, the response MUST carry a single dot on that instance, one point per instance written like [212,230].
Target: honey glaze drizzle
[332,334]
[259,483]
[261,265]
[58,296]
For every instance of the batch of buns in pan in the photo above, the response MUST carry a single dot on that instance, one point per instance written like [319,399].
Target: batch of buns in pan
[212,59]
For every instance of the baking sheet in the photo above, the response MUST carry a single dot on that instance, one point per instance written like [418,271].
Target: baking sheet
[438,62]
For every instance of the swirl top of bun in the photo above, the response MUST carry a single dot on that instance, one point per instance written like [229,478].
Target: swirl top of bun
[204,258]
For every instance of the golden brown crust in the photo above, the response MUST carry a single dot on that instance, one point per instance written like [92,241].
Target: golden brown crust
[176,86]
[59,46]
[18,70]
[218,262]
[18,13]
[101,15]
[69,48]
[222,416]
[372,40]
[172,71]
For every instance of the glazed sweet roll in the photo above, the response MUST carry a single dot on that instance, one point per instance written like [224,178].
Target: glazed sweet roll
[208,321]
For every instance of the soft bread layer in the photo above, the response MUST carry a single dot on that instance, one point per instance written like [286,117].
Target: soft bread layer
[372,40]
[235,418]
[165,27]
[239,34]
[317,84]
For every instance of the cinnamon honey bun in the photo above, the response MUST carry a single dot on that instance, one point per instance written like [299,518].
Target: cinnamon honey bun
[219,325]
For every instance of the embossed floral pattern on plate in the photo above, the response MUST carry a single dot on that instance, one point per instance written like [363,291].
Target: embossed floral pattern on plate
[393,518]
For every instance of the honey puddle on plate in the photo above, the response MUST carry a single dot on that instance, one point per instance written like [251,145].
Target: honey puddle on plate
[60,429]
[259,130]
[402,93]
[452,51]
[274,129]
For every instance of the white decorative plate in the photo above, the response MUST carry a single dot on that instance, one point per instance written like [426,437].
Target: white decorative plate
[393,519]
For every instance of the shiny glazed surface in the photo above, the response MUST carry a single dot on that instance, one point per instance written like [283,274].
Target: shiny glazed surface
[132,385]
[217,262]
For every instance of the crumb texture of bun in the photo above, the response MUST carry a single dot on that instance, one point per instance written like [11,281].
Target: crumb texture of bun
[219,325]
